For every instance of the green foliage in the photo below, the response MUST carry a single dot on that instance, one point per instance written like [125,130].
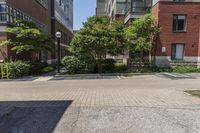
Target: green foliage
[142,33]
[175,69]
[108,65]
[28,37]
[99,37]
[120,67]
[75,65]
[36,67]
[72,64]
[18,68]
[88,62]
[47,69]
[185,69]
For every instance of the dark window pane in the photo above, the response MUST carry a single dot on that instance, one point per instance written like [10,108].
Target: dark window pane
[2,8]
[179,23]
[173,51]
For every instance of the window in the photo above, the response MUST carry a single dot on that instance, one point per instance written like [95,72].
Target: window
[179,23]
[178,51]
[10,15]
[3,8]
[138,6]
[3,13]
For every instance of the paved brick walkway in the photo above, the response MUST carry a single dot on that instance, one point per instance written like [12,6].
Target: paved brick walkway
[145,91]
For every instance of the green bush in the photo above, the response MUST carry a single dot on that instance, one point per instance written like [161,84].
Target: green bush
[47,69]
[120,67]
[176,69]
[108,65]
[72,64]
[36,67]
[88,63]
[185,69]
[18,68]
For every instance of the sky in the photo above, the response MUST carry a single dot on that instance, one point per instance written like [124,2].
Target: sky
[82,10]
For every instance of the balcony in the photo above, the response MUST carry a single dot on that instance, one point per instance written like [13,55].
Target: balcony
[136,9]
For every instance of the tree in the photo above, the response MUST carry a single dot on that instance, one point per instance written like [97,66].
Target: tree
[142,34]
[27,37]
[99,37]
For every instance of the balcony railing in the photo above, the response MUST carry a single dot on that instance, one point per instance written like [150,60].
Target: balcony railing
[136,8]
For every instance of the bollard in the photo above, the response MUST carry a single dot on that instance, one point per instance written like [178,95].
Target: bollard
[4,71]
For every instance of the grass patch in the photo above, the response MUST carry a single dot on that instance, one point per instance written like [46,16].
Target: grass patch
[194,93]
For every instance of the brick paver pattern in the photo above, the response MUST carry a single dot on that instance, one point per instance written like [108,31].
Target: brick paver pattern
[146,91]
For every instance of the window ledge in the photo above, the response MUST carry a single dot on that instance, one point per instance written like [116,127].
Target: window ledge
[179,31]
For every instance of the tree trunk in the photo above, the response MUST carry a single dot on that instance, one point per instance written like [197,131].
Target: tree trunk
[40,56]
[99,65]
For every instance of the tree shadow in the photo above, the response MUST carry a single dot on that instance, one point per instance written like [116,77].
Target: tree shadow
[31,116]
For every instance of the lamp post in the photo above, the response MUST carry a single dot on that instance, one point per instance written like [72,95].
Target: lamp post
[58,36]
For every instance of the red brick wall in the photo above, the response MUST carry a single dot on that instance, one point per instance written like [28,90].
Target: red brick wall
[68,34]
[66,37]
[33,9]
[164,11]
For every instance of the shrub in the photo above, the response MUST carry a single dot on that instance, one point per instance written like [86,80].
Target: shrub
[18,68]
[47,69]
[108,65]
[37,66]
[72,64]
[185,69]
[120,67]
[88,63]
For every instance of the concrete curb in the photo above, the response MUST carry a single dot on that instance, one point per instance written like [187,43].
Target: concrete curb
[104,74]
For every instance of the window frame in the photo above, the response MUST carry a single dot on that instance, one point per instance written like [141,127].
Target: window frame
[185,25]
[173,57]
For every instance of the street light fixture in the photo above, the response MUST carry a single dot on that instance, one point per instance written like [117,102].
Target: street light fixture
[58,36]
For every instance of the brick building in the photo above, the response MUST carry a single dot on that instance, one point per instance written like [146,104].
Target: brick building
[179,20]
[49,15]
[179,40]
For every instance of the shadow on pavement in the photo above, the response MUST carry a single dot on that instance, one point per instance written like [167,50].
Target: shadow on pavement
[31,116]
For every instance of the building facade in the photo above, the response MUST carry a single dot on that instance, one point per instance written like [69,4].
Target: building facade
[45,14]
[113,8]
[136,9]
[179,39]
[179,20]
[101,7]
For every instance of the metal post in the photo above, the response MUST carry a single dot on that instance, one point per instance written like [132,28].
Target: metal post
[58,54]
